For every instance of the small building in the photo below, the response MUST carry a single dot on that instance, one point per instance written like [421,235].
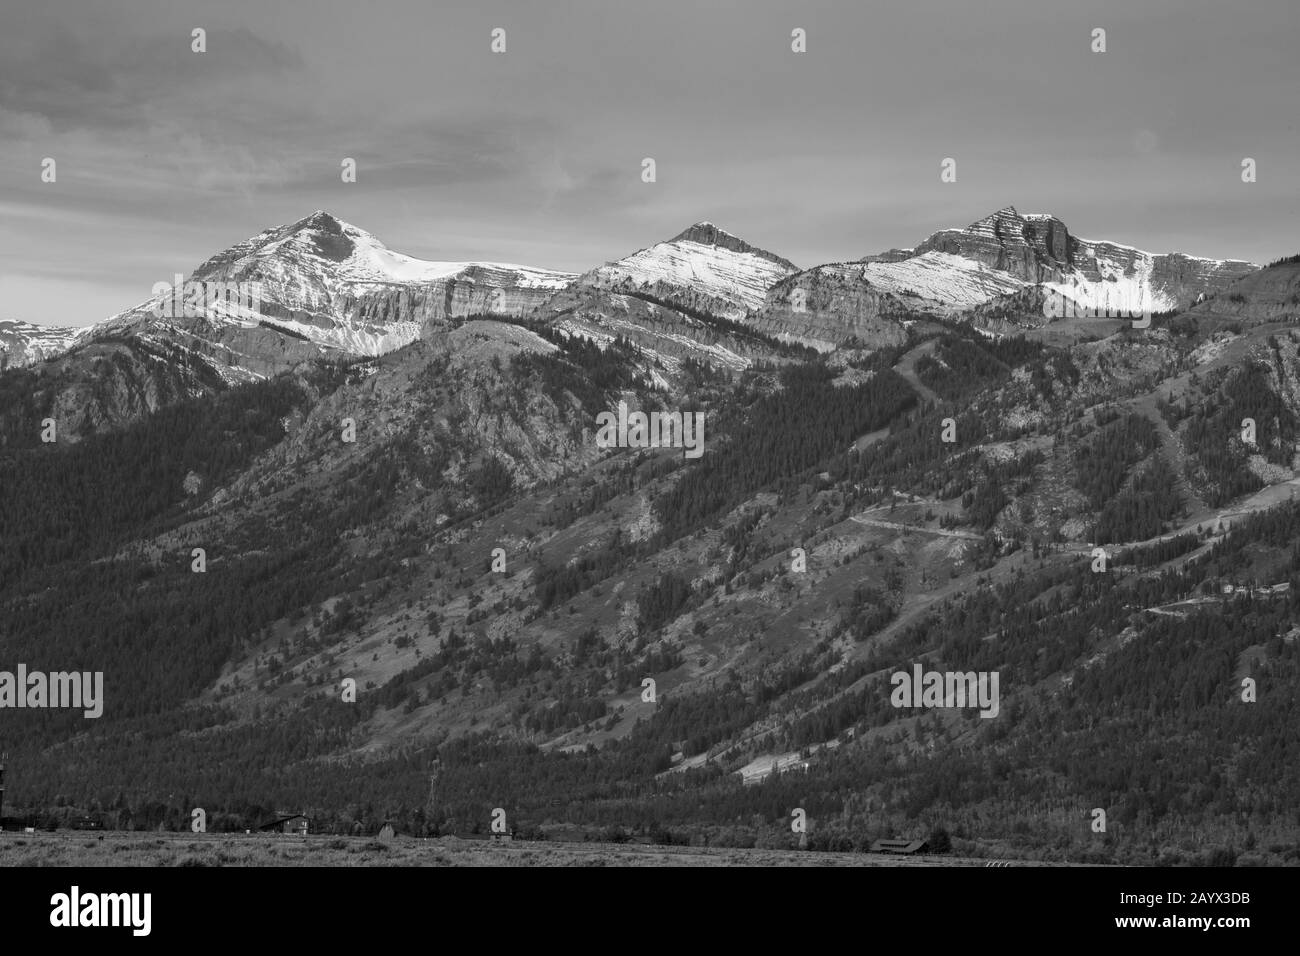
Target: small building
[386,833]
[285,822]
[900,847]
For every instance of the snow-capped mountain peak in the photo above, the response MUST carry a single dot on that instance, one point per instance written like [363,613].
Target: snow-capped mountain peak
[323,285]
[330,283]
[343,253]
[705,233]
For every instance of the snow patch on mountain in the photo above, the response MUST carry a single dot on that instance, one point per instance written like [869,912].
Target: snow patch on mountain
[703,259]
[25,343]
[370,261]
[1100,275]
[941,277]
[323,254]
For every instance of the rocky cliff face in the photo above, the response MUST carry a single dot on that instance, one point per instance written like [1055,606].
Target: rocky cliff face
[475,290]
[1040,249]
[827,306]
[1033,249]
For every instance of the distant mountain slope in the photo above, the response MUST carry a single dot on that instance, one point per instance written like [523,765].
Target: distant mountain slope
[327,289]
[871,301]
[22,343]
[324,289]
[1269,294]
[703,267]
[997,257]
[1037,248]
[337,286]
[690,297]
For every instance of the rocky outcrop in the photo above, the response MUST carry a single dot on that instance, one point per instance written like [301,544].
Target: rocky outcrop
[830,305]
[1040,249]
[665,334]
[475,290]
[1034,249]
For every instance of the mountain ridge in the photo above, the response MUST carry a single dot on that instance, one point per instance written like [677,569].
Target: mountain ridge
[331,290]
[1033,247]
[437,525]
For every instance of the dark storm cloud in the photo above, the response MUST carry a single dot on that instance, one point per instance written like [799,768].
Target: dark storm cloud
[107,83]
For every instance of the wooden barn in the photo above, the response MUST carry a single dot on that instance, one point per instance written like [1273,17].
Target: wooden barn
[900,847]
[285,822]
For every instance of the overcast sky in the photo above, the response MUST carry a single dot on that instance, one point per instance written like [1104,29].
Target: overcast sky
[165,156]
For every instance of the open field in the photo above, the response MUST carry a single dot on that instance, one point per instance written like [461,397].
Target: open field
[87,848]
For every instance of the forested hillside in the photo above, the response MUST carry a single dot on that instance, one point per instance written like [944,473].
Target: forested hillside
[459,602]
